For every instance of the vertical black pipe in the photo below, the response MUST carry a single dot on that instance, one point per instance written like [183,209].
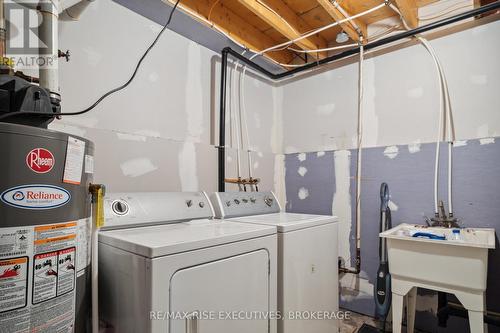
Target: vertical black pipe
[222,123]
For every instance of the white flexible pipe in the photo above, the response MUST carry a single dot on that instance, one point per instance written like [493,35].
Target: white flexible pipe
[343,12]
[360,144]
[233,120]
[445,120]
[243,116]
[440,124]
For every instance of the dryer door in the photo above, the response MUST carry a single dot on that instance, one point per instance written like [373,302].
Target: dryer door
[219,296]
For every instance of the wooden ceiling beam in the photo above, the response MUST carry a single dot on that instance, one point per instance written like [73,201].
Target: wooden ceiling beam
[236,27]
[283,19]
[337,15]
[409,10]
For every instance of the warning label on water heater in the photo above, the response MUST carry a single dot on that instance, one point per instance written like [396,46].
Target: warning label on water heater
[13,283]
[38,266]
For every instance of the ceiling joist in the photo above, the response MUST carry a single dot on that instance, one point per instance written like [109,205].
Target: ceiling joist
[262,24]
[409,11]
[236,27]
[283,19]
[339,14]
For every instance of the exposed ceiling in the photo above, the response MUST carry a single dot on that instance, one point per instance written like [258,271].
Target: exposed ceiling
[261,24]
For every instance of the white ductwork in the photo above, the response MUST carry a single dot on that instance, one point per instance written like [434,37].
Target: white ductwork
[48,32]
[51,12]
[74,12]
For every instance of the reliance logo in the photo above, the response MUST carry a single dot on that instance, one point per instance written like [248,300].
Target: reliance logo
[36,197]
[40,160]
[18,196]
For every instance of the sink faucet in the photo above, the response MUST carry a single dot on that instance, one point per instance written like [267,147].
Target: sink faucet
[441,219]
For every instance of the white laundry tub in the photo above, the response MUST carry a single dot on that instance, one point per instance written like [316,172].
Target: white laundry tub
[461,264]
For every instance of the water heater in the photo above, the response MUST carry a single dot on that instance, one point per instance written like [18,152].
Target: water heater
[45,230]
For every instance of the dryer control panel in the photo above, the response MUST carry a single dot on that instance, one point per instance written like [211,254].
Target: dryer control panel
[137,209]
[236,204]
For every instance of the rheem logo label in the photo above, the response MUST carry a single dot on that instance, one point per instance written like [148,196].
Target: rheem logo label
[40,160]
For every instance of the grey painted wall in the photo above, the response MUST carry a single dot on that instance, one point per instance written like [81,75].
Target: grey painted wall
[476,174]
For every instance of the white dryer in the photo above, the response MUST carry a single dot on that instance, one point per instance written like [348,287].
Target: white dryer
[166,266]
[308,298]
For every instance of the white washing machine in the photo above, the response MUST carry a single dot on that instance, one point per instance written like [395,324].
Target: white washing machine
[166,266]
[308,298]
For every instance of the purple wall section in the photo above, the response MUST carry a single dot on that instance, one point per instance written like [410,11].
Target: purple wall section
[476,198]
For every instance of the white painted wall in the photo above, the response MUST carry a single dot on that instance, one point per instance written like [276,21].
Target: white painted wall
[401,96]
[157,134]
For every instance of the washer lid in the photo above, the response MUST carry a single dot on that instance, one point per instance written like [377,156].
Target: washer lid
[288,221]
[161,240]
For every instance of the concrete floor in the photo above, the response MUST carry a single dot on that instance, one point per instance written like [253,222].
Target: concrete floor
[356,320]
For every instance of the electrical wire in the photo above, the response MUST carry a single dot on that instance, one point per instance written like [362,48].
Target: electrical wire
[211,9]
[112,91]
[323,50]
[309,34]
[445,12]
[260,2]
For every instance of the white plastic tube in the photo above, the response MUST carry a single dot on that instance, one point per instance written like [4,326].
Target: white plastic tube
[343,12]
[445,123]
[234,121]
[360,145]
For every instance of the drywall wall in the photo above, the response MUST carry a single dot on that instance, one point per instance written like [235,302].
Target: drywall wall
[158,134]
[401,96]
[409,174]
[400,127]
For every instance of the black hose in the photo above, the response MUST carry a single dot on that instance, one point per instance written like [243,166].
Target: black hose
[112,91]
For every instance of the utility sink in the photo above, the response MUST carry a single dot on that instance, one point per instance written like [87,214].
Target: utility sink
[451,263]
[459,267]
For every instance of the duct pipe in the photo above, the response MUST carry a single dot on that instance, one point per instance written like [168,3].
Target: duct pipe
[74,12]
[48,34]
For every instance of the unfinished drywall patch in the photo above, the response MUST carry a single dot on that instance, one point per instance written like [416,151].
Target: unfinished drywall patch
[277,128]
[487,141]
[131,137]
[279,179]
[391,152]
[370,127]
[70,129]
[137,167]
[302,157]
[302,171]
[303,193]
[414,147]
[341,204]
[193,93]
[415,93]
[325,110]
[187,168]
